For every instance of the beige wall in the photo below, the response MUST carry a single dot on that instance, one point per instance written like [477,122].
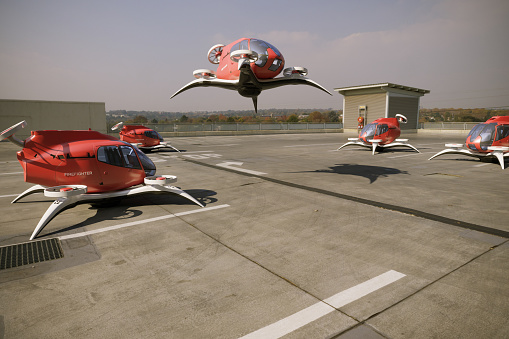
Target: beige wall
[375,108]
[55,115]
[408,106]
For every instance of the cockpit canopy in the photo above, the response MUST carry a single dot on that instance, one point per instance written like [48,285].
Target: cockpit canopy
[373,130]
[270,60]
[125,156]
[153,135]
[484,135]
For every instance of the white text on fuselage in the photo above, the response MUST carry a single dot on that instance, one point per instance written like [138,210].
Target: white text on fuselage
[74,174]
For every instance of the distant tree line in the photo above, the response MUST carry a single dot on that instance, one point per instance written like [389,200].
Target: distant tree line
[287,116]
[459,114]
[263,116]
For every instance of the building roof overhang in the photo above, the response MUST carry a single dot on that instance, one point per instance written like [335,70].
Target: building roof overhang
[382,87]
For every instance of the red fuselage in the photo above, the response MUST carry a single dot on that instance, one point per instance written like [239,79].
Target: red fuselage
[492,132]
[385,129]
[101,162]
[269,64]
[142,135]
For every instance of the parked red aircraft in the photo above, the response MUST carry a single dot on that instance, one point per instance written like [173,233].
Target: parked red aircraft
[81,166]
[381,133]
[248,66]
[143,137]
[487,140]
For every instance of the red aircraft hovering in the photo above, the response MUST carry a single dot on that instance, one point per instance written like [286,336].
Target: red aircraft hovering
[380,134]
[83,166]
[143,137]
[248,66]
[487,140]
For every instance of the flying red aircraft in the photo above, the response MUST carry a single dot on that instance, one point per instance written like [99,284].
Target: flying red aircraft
[248,66]
[381,133]
[143,137]
[487,140]
[83,166]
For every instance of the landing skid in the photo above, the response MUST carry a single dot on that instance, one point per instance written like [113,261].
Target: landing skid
[157,147]
[69,195]
[498,152]
[375,143]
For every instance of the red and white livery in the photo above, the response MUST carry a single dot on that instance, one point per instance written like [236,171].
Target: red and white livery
[380,134]
[143,137]
[84,166]
[489,139]
[248,66]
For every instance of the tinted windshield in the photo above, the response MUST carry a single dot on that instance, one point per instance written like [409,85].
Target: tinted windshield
[121,156]
[487,134]
[381,129]
[239,45]
[153,135]
[502,132]
[369,130]
[148,166]
[474,132]
[260,47]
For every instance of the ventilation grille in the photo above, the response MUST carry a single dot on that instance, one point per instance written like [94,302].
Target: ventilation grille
[30,253]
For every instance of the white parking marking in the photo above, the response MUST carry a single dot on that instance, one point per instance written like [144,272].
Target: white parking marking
[232,164]
[134,223]
[484,164]
[8,195]
[318,310]
[11,173]
[202,156]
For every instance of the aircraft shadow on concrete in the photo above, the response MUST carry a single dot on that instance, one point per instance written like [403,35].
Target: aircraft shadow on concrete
[125,208]
[370,172]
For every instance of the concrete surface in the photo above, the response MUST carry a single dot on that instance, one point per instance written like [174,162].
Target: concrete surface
[305,242]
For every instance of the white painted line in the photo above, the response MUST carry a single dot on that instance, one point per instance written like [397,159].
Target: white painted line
[318,310]
[232,164]
[11,173]
[313,145]
[8,195]
[134,223]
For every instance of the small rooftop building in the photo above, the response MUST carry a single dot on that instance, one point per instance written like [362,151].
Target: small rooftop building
[383,100]
[55,115]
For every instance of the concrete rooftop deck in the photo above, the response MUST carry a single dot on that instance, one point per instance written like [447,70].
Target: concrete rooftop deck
[296,239]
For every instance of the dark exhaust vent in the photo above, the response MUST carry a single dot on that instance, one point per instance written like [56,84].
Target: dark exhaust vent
[30,253]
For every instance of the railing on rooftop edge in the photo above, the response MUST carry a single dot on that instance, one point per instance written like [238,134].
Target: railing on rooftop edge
[466,126]
[237,127]
[286,127]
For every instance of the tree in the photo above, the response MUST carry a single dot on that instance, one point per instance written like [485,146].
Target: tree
[140,119]
[333,116]
[184,118]
[293,118]
[154,121]
[316,117]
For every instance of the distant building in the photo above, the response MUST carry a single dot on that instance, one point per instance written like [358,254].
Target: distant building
[56,115]
[383,100]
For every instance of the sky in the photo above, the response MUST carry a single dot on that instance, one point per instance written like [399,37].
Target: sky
[133,55]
